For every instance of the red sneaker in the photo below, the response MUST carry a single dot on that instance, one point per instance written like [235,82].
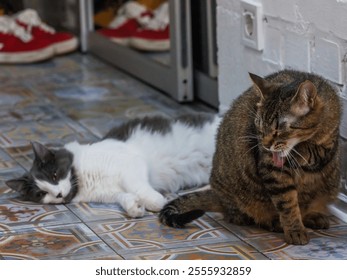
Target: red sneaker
[128,20]
[151,40]
[18,46]
[123,33]
[62,42]
[154,34]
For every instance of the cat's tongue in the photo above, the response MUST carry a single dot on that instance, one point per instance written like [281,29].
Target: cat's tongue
[277,159]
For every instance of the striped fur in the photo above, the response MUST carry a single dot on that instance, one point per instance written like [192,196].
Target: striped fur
[276,163]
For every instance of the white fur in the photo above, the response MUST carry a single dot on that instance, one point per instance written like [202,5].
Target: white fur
[135,173]
[63,187]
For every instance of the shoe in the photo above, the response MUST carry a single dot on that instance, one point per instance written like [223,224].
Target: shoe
[130,10]
[155,33]
[151,40]
[62,42]
[127,21]
[19,46]
[122,34]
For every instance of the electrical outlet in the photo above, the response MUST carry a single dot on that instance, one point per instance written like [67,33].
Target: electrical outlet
[252,24]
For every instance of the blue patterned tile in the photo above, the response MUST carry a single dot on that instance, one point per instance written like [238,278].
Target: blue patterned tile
[55,131]
[147,234]
[233,250]
[79,97]
[75,241]
[15,214]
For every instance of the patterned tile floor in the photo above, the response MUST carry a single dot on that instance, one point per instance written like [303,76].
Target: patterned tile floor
[80,97]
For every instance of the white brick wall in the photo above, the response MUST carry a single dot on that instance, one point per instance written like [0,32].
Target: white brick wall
[344,121]
[297,34]
[326,59]
[296,52]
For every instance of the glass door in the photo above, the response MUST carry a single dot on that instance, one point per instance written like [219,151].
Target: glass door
[169,70]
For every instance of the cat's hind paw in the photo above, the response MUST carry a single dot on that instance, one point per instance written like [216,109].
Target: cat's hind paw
[316,220]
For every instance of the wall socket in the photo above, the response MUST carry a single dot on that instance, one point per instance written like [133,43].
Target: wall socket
[252,24]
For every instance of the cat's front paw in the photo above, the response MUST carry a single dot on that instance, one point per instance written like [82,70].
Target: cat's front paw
[296,237]
[155,203]
[136,210]
[133,206]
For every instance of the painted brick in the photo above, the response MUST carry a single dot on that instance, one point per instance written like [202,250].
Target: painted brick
[273,46]
[297,52]
[327,15]
[282,9]
[326,60]
[343,130]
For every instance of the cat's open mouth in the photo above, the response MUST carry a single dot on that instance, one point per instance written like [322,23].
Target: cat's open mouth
[278,159]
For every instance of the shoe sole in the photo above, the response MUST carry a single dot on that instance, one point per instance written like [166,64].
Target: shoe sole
[149,45]
[65,46]
[123,42]
[27,57]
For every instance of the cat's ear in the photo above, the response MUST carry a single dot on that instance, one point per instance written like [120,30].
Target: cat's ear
[42,153]
[304,99]
[18,185]
[260,84]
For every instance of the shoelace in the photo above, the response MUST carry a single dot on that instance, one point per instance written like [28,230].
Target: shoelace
[32,19]
[160,19]
[128,10]
[9,26]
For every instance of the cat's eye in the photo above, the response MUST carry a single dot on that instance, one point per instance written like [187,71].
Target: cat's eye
[40,194]
[54,176]
[297,127]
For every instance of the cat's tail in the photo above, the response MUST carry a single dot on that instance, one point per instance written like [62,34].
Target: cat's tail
[189,207]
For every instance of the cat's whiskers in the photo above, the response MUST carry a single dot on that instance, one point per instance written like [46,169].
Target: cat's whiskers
[248,138]
[293,164]
[250,149]
[300,155]
[253,112]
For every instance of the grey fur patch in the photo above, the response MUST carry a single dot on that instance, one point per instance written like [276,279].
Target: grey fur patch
[157,124]
[26,187]
[196,120]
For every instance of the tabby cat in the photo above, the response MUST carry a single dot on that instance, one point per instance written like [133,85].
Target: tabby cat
[276,163]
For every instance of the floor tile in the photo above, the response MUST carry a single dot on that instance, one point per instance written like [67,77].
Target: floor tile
[324,244]
[54,242]
[18,96]
[79,97]
[319,248]
[6,162]
[100,116]
[63,94]
[51,131]
[29,113]
[144,235]
[8,174]
[15,213]
[92,212]
[233,250]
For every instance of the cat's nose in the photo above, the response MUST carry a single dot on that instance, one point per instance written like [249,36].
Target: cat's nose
[59,195]
[280,145]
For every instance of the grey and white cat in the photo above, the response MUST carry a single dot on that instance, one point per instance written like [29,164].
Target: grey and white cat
[134,165]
